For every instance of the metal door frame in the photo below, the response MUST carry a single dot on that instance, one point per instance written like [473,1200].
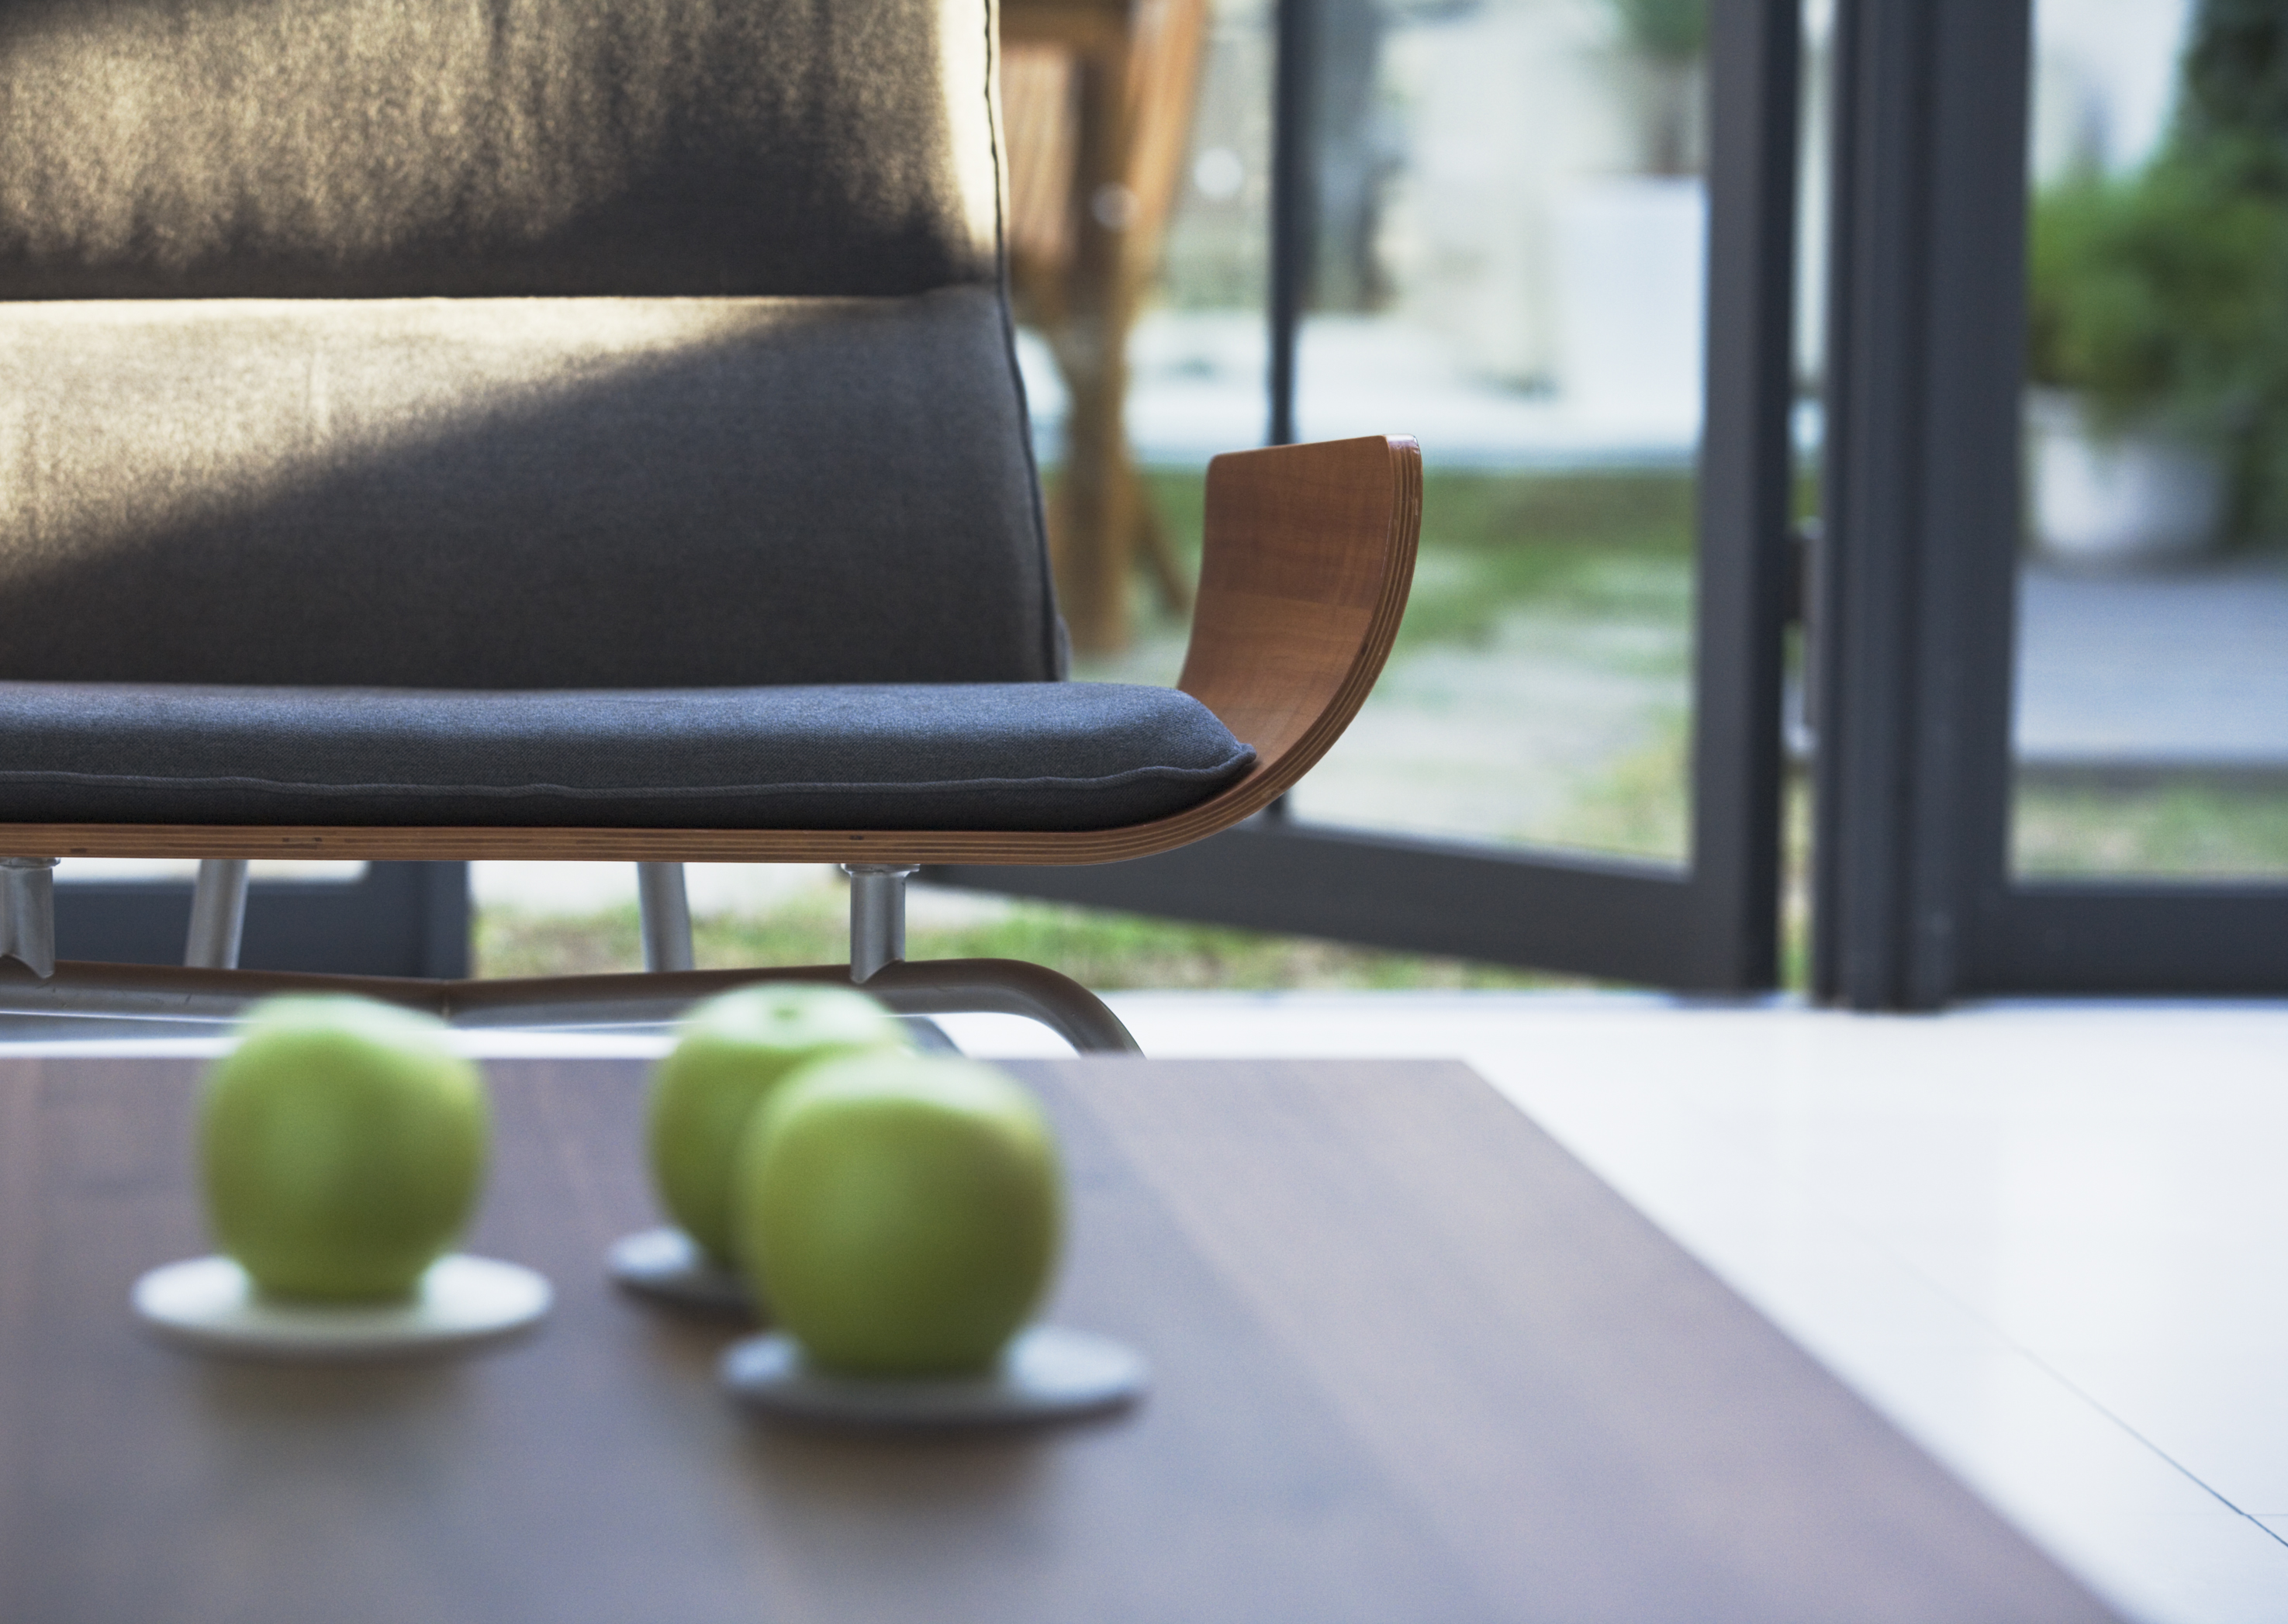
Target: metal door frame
[1914,903]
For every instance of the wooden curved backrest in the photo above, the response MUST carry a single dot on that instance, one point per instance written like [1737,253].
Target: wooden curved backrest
[1309,555]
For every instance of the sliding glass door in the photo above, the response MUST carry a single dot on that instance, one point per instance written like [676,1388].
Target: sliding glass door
[1552,240]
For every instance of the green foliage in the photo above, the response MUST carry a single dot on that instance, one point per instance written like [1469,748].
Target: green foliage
[2159,291]
[1665,30]
[2165,293]
[2182,826]
[2236,75]
[1104,950]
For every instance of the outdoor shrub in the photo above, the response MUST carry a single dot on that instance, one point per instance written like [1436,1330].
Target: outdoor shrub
[2164,295]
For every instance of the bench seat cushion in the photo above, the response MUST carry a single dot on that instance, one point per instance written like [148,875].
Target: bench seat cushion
[955,756]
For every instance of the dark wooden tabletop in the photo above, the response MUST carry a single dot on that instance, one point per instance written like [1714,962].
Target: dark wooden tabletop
[1413,1363]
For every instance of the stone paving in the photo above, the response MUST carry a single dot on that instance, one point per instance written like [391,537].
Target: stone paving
[2183,670]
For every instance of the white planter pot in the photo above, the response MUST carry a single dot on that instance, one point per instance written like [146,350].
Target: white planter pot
[1632,290]
[2137,497]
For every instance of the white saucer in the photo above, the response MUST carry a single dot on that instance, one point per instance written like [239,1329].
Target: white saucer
[209,1304]
[668,1265]
[1047,1374]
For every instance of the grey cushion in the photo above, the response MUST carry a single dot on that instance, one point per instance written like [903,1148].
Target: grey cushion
[244,441]
[1022,755]
[363,148]
[519,493]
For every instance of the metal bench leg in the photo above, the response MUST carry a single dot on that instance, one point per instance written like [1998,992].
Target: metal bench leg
[1004,986]
[666,916]
[877,938]
[877,917]
[962,986]
[218,915]
[27,913]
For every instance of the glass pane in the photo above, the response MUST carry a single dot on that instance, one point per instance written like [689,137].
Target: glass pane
[2152,691]
[1509,266]
[1191,205]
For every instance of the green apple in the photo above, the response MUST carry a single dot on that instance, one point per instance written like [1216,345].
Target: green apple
[735,1050]
[902,1213]
[343,1144]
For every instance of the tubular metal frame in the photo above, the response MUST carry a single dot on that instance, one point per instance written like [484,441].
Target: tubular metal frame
[941,986]
[37,985]
[666,906]
[27,913]
[878,916]
[218,915]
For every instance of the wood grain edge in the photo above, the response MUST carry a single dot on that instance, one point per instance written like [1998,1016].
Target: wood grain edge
[1310,555]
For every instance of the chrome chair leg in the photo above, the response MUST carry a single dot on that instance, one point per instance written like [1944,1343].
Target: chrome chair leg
[666,918]
[218,915]
[27,913]
[877,917]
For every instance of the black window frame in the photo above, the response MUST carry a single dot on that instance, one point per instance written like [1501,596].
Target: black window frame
[1914,904]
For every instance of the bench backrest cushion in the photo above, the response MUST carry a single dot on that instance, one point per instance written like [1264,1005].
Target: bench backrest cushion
[509,344]
[378,148]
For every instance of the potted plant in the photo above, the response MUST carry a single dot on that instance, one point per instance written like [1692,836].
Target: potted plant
[2158,320]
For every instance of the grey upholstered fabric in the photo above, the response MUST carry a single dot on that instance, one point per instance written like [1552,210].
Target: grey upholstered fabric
[1017,756]
[364,148]
[540,398]
[518,492]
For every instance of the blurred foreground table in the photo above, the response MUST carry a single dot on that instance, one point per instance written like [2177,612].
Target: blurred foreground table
[1413,1363]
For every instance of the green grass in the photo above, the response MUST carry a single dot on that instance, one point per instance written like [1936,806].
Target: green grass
[1641,802]
[1593,545]
[2185,827]
[1104,950]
